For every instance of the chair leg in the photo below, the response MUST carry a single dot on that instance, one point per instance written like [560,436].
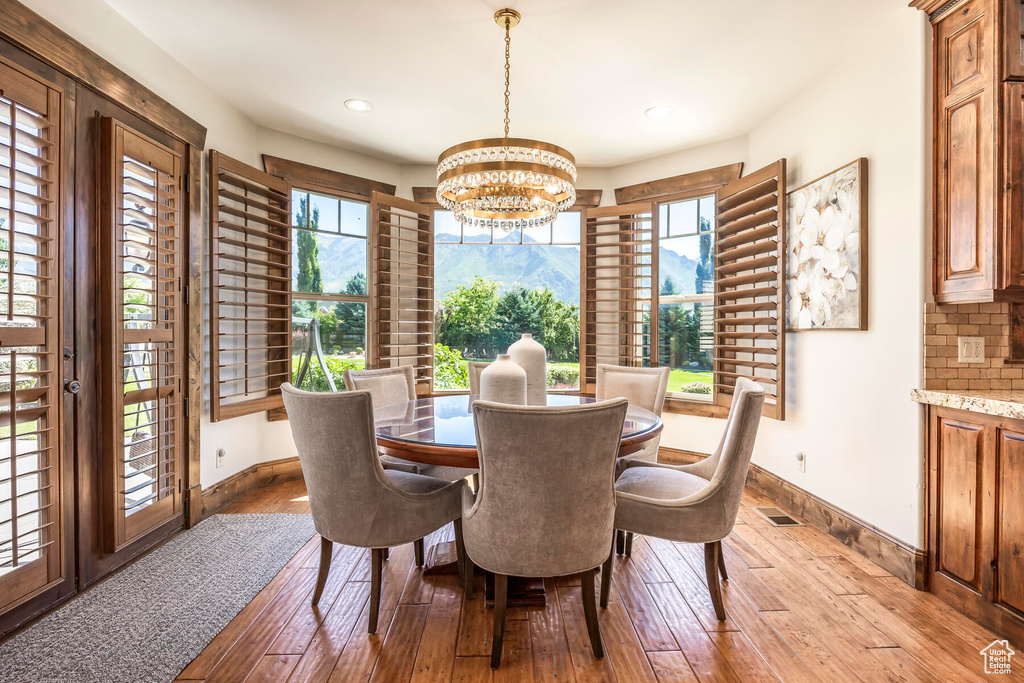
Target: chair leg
[629,543]
[711,570]
[721,562]
[326,553]
[376,569]
[467,580]
[590,612]
[417,546]
[386,553]
[606,576]
[620,541]
[460,550]
[500,598]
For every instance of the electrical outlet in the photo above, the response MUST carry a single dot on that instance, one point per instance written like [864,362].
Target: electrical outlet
[970,349]
[220,457]
[801,462]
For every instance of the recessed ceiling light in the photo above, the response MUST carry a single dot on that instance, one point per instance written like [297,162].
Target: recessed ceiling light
[361,106]
[657,112]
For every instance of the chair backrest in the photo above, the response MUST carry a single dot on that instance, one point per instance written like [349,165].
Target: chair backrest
[387,385]
[334,435]
[475,368]
[737,447]
[643,387]
[546,504]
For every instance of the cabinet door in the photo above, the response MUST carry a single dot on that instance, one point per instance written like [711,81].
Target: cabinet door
[1013,208]
[1013,39]
[965,154]
[1009,581]
[959,454]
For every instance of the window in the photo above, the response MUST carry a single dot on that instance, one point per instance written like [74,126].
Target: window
[492,286]
[686,253]
[330,256]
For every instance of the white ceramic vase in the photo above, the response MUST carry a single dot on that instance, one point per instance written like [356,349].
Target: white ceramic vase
[533,358]
[504,382]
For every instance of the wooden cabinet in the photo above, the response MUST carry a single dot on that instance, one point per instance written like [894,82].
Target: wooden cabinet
[975,519]
[978,151]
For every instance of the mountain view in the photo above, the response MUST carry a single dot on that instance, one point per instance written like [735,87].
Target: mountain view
[512,265]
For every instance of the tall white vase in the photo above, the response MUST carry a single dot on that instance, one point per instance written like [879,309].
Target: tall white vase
[532,357]
[504,382]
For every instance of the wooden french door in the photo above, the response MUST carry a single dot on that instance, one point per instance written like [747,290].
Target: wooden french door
[129,335]
[36,520]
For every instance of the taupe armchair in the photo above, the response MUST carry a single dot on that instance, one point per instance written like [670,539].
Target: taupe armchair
[397,385]
[695,503]
[353,499]
[475,368]
[643,387]
[546,501]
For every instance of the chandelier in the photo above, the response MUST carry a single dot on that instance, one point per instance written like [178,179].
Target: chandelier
[506,183]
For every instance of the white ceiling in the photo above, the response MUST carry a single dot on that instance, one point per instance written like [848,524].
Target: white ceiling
[583,71]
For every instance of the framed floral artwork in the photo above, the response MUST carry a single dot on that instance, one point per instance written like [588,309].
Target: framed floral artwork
[826,252]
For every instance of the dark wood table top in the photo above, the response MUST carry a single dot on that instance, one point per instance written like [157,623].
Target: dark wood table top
[439,430]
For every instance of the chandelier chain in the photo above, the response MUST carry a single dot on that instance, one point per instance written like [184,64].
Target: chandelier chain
[507,45]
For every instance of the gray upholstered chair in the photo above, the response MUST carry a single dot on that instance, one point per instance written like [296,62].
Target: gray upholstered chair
[353,499]
[643,387]
[475,368]
[546,501]
[397,385]
[695,503]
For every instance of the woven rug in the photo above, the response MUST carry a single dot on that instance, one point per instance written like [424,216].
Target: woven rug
[148,621]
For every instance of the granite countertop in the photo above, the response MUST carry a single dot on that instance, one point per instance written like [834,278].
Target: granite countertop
[998,402]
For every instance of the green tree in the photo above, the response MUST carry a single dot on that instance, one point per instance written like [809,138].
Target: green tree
[309,277]
[351,316]
[517,314]
[466,316]
[559,325]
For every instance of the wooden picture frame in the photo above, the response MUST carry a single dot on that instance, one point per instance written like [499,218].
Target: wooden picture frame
[826,282]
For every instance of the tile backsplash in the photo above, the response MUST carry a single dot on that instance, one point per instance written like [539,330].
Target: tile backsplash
[943,323]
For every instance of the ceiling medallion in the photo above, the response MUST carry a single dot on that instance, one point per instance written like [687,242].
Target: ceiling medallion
[506,183]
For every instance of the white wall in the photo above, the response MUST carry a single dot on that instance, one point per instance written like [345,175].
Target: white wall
[848,405]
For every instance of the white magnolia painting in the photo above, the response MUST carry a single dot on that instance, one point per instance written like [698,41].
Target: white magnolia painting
[827,259]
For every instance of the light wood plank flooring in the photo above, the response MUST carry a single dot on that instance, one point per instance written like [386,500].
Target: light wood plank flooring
[802,607]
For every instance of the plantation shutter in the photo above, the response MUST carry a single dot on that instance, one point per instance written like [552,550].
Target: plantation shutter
[250,288]
[143,331]
[620,301]
[750,268]
[402,294]
[31,525]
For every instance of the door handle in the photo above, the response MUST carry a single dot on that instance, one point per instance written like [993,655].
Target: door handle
[72,386]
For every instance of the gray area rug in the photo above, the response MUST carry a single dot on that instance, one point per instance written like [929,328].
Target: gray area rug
[148,621]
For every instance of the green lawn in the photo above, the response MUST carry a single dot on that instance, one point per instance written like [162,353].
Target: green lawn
[677,378]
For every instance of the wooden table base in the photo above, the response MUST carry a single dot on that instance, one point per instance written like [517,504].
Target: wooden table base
[442,559]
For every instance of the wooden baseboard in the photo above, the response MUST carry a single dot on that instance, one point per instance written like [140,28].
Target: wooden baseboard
[901,560]
[225,492]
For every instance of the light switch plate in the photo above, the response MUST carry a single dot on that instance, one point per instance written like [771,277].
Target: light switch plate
[970,349]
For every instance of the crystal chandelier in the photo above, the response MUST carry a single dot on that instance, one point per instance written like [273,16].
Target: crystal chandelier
[506,183]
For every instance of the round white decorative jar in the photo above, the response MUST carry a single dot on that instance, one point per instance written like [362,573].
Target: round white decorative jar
[532,357]
[504,382]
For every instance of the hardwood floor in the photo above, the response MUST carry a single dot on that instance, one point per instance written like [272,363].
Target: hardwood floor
[802,607]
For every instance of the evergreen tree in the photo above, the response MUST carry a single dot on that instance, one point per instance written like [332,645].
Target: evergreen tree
[309,278]
[351,316]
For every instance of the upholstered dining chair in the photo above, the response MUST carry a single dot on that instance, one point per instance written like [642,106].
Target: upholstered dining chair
[397,385]
[546,500]
[475,368]
[354,500]
[643,387]
[695,503]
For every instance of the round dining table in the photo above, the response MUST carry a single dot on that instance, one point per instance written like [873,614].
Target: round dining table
[439,430]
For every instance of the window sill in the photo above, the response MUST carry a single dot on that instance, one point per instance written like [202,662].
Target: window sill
[683,406]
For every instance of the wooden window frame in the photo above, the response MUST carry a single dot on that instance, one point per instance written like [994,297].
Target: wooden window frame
[579,208]
[678,404]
